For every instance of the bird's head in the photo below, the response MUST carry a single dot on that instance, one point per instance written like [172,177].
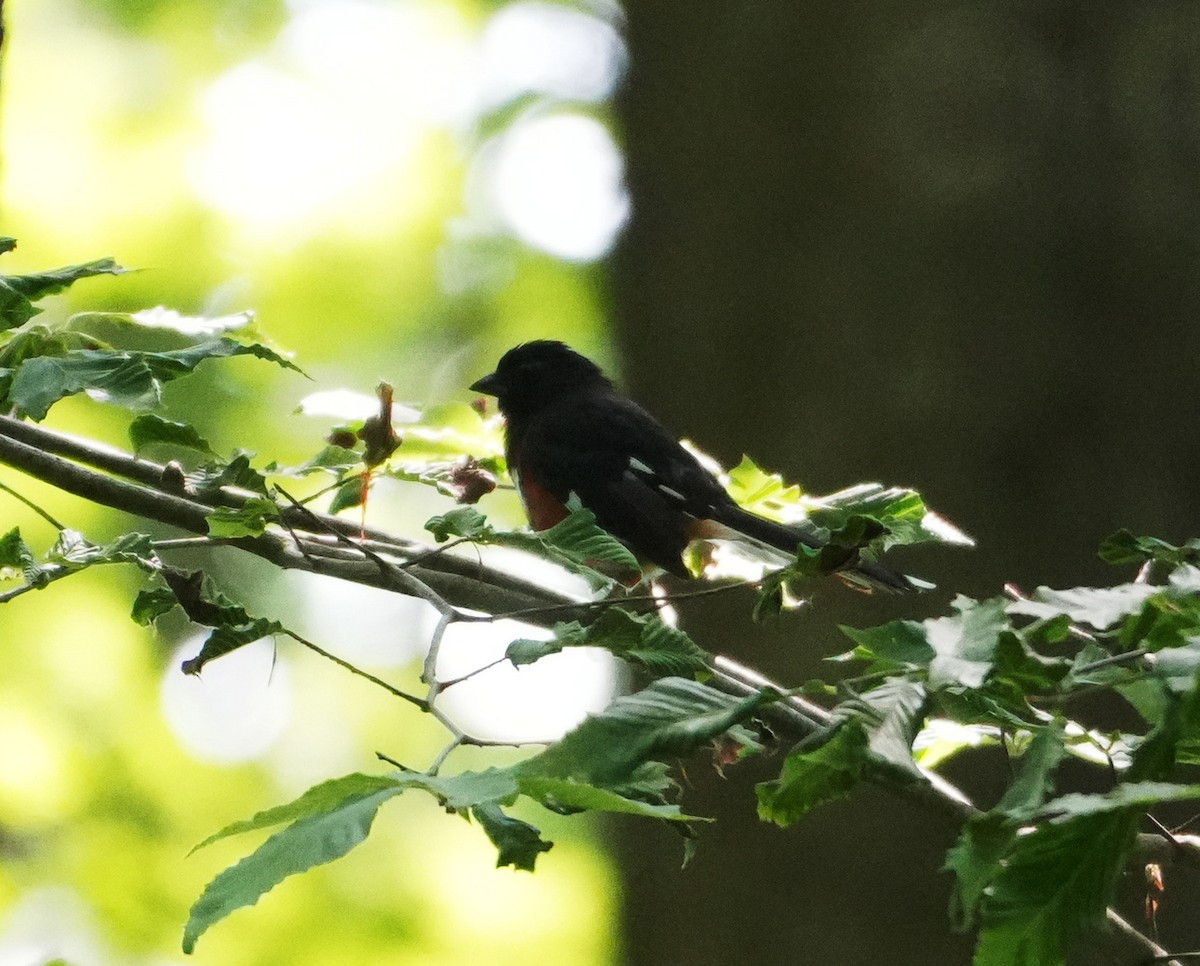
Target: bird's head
[535,373]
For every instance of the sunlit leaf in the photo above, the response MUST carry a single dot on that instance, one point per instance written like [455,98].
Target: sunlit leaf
[17,558]
[317,838]
[1101,607]
[130,379]
[19,292]
[640,639]
[965,643]
[669,718]
[815,775]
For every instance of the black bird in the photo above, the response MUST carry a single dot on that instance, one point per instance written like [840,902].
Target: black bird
[569,431]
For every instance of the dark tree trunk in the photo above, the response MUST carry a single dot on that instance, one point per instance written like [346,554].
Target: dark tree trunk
[949,245]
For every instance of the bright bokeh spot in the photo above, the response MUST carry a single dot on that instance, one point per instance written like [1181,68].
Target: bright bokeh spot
[535,47]
[557,182]
[234,709]
[541,701]
[333,114]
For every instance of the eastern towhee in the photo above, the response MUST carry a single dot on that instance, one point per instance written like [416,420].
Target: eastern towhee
[569,431]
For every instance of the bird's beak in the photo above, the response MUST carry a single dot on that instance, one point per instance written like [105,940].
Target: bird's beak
[489,385]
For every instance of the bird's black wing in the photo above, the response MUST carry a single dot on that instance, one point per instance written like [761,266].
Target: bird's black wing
[625,467]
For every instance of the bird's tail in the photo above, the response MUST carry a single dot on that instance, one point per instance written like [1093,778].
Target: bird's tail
[861,574]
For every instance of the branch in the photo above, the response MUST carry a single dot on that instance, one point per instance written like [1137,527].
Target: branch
[325,544]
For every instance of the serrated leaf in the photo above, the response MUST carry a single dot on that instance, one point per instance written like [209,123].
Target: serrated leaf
[1101,607]
[16,557]
[19,292]
[1127,795]
[230,637]
[119,377]
[892,715]
[975,861]
[965,644]
[130,379]
[350,494]
[1125,548]
[1054,883]
[149,429]
[73,550]
[583,541]
[151,603]
[518,843]
[1035,774]
[464,521]
[312,840]
[899,642]
[466,789]
[237,472]
[640,639]
[813,776]
[669,718]
[251,519]
[562,794]
[764,493]
[321,799]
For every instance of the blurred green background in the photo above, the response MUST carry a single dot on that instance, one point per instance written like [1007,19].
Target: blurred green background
[944,244]
[399,190]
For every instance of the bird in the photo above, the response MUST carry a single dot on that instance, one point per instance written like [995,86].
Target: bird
[571,435]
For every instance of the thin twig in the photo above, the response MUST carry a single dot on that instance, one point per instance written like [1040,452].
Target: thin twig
[446,685]
[391,689]
[33,506]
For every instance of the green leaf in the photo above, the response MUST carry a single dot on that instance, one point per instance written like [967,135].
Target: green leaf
[249,520]
[584,542]
[902,513]
[975,859]
[1101,607]
[898,642]
[1035,774]
[350,494]
[518,843]
[466,789]
[19,292]
[763,493]
[16,557]
[669,718]
[1140,796]
[321,799]
[575,543]
[563,794]
[148,430]
[892,715]
[1054,884]
[237,472]
[318,837]
[72,550]
[462,522]
[130,379]
[119,377]
[965,644]
[229,637]
[151,603]
[1124,548]
[813,776]
[639,639]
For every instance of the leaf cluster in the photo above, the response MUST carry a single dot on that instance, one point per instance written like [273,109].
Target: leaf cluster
[1034,871]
